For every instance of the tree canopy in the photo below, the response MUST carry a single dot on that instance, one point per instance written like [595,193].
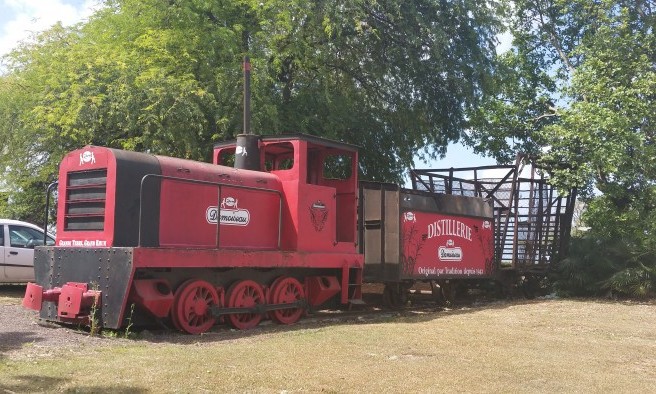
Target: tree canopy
[577,91]
[399,78]
[395,77]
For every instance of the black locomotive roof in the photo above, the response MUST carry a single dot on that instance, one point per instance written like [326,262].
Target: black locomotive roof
[298,136]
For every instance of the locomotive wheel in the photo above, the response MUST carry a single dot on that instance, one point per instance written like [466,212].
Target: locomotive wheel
[245,294]
[174,306]
[286,291]
[191,311]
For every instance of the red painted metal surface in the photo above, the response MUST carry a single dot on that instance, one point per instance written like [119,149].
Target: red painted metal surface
[154,295]
[34,296]
[217,258]
[319,212]
[85,160]
[436,245]
[321,288]
[73,300]
[76,300]
[247,204]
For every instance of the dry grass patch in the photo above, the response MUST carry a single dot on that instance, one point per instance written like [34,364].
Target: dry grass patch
[541,346]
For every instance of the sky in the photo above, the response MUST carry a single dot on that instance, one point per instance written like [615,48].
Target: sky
[21,19]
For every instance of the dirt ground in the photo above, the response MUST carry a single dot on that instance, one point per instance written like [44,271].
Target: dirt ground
[21,334]
[24,336]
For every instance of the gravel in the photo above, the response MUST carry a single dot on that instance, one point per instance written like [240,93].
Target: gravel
[23,335]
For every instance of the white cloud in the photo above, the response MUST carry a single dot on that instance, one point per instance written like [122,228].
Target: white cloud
[28,17]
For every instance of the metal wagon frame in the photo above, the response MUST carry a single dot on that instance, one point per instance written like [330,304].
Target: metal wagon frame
[532,218]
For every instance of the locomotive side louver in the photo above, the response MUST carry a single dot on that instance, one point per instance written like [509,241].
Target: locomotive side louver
[85,200]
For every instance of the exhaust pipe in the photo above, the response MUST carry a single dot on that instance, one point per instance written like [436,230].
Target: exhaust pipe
[247,152]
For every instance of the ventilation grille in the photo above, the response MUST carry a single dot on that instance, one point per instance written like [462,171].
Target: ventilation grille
[85,201]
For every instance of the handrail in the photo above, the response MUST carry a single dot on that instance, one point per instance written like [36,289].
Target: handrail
[45,219]
[218,204]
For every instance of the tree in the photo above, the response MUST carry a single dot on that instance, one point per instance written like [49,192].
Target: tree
[392,76]
[578,92]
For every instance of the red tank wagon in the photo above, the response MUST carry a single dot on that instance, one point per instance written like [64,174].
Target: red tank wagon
[532,219]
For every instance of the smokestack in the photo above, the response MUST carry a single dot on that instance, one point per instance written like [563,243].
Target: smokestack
[247,95]
[247,152]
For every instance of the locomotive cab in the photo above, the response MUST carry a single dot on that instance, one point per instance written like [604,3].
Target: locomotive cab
[319,179]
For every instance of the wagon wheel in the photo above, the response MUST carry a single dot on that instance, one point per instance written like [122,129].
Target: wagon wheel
[245,294]
[529,285]
[192,304]
[286,291]
[395,295]
[436,292]
[449,292]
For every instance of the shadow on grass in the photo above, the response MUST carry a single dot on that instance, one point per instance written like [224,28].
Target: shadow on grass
[422,309]
[29,384]
[13,340]
[108,390]
[36,383]
[419,313]
[12,293]
[330,318]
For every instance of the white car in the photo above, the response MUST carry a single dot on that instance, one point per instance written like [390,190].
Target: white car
[17,242]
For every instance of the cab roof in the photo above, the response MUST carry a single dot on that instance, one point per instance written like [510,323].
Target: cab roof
[298,136]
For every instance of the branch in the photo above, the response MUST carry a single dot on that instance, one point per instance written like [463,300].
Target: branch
[554,40]
[543,116]
[550,107]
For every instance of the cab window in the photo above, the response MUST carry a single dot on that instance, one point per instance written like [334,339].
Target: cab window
[279,157]
[337,167]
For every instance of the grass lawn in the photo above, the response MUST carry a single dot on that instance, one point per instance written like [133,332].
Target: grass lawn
[536,346]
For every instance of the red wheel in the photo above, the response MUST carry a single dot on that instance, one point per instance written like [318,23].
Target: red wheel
[245,294]
[192,304]
[286,291]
